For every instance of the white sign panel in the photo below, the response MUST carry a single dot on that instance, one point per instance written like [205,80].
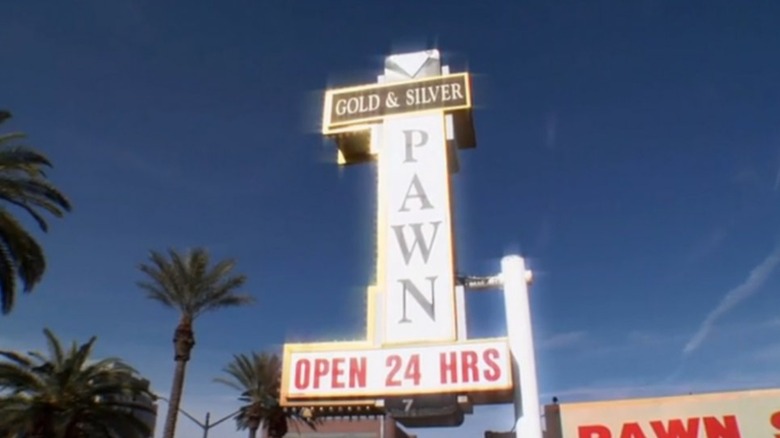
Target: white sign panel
[463,367]
[419,283]
[743,414]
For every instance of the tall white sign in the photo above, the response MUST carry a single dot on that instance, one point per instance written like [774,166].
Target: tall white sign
[419,284]
[411,124]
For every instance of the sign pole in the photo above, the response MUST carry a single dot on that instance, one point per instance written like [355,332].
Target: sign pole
[515,278]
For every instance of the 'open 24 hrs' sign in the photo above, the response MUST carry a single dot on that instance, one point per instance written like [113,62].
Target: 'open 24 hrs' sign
[461,367]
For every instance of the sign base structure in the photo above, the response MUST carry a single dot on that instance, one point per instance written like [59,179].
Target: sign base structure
[422,411]
[416,361]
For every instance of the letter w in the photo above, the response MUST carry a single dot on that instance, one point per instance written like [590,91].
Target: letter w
[419,240]
[676,429]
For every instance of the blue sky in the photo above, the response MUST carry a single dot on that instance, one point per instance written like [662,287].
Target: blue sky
[630,151]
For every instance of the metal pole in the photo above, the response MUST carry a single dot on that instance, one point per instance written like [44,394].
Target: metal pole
[528,423]
[206,426]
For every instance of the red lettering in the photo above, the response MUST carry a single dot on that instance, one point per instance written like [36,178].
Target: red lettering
[468,364]
[321,368]
[337,372]
[632,430]
[357,372]
[448,369]
[676,429]
[493,372]
[593,431]
[302,370]
[413,370]
[774,420]
[394,362]
[728,429]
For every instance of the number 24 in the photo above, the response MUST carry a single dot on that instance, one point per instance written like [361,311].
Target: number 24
[411,372]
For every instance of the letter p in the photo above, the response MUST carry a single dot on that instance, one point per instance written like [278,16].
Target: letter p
[413,138]
[593,431]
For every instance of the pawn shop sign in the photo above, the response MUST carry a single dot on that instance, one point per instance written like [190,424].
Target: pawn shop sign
[411,123]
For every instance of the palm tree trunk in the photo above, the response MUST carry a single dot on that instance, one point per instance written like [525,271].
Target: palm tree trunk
[71,431]
[45,425]
[177,388]
[183,342]
[252,432]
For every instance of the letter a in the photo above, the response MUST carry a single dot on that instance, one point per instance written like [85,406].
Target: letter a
[419,192]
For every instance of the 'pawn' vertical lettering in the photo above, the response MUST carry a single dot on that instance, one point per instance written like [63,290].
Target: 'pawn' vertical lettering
[419,286]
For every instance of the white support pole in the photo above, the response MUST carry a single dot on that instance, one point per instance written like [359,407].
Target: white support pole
[521,343]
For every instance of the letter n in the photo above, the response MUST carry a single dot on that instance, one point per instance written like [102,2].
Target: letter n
[429,307]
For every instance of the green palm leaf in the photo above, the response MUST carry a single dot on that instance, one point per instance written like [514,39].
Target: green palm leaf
[257,377]
[23,185]
[64,395]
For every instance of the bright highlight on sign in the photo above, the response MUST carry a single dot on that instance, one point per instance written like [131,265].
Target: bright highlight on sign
[461,367]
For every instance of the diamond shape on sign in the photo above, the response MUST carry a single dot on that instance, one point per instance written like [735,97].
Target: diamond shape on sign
[410,64]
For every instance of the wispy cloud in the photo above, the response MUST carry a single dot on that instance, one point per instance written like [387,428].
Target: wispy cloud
[644,339]
[777,180]
[551,131]
[563,340]
[769,353]
[772,323]
[757,277]
[707,245]
[747,176]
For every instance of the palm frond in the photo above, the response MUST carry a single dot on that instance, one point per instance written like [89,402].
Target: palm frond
[7,280]
[21,155]
[55,348]
[8,137]
[23,184]
[228,382]
[186,281]
[21,247]
[67,392]
[42,224]
[16,358]
[41,189]
[257,378]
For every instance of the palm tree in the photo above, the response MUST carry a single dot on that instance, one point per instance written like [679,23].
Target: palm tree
[187,283]
[64,395]
[258,379]
[23,184]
